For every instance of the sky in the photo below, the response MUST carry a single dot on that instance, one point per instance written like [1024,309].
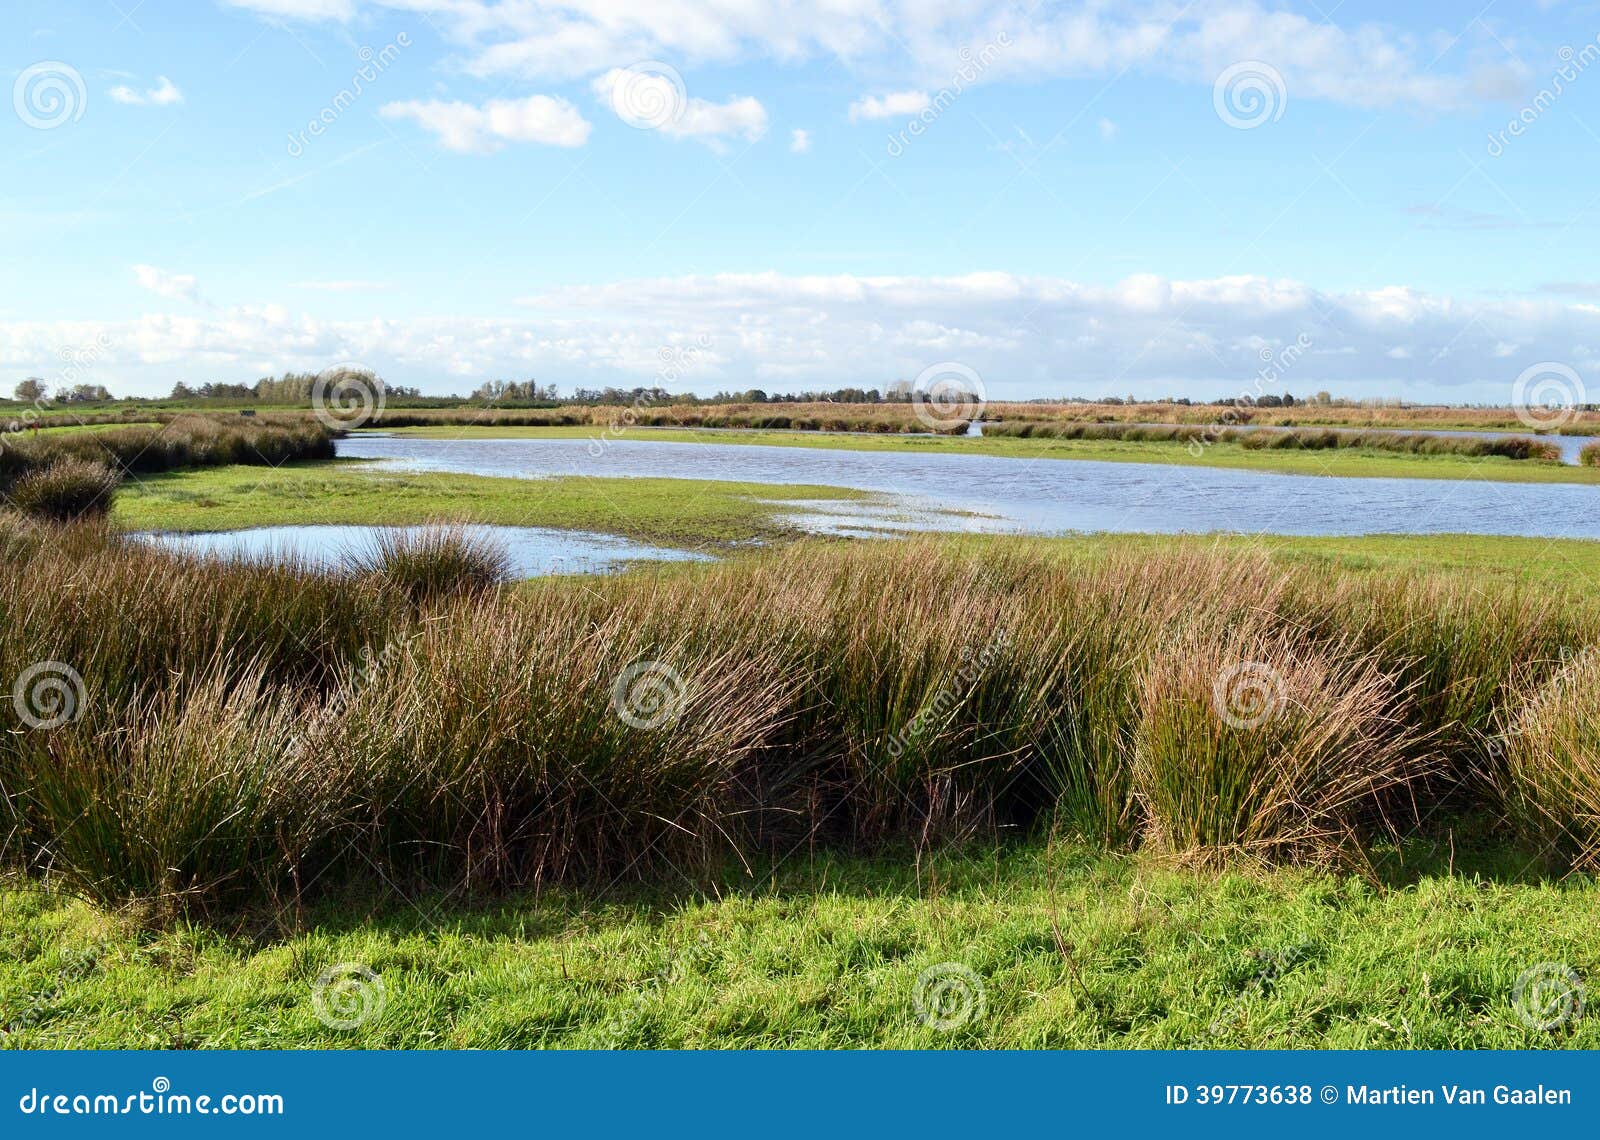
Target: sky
[1063,199]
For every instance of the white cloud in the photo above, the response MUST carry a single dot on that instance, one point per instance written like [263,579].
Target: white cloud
[482,130]
[1108,129]
[710,123]
[174,286]
[896,105]
[799,141]
[1364,65]
[163,94]
[1027,336]
[644,98]
[299,9]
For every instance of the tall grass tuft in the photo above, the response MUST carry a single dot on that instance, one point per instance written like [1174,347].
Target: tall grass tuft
[1249,744]
[67,490]
[435,561]
[1589,455]
[1549,777]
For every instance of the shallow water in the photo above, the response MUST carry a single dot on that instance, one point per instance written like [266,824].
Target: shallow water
[535,551]
[1039,496]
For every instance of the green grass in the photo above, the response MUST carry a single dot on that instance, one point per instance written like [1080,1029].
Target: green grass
[70,428]
[1355,462]
[1073,949]
[668,511]
[1534,561]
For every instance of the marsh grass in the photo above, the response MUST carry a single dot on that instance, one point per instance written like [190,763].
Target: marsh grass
[1283,439]
[437,560]
[1549,774]
[1250,744]
[68,489]
[259,732]
[66,475]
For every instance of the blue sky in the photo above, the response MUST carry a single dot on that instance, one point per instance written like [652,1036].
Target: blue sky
[1083,207]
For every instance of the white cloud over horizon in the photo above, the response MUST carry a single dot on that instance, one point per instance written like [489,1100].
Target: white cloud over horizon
[1027,336]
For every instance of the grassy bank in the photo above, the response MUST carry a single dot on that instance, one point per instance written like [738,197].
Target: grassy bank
[674,512]
[1071,948]
[1352,462]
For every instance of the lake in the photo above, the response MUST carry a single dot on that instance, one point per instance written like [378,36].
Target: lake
[930,491]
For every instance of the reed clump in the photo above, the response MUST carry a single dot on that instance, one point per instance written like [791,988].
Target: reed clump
[1549,775]
[246,732]
[67,489]
[433,561]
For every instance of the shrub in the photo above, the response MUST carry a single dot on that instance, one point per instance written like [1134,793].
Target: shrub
[1589,456]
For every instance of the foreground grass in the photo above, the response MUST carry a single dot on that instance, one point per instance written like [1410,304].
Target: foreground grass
[1354,462]
[668,511]
[1073,949]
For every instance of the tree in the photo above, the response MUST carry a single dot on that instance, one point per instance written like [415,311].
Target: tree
[32,390]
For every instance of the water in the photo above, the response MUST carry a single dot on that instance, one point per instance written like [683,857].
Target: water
[933,491]
[534,551]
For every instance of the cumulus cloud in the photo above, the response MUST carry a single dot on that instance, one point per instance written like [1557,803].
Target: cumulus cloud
[163,94]
[173,286]
[897,104]
[799,141]
[1027,336]
[645,98]
[472,129]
